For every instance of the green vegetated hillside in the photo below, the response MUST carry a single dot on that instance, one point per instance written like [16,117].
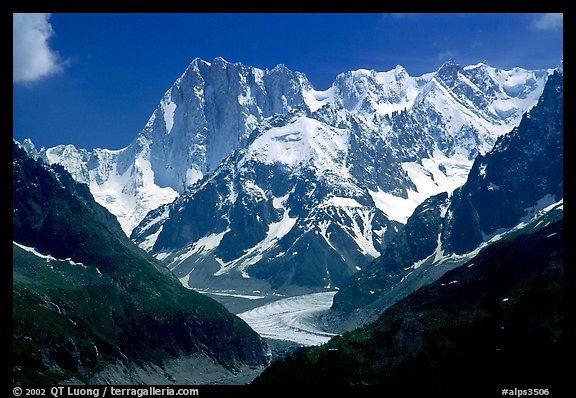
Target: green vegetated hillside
[100,299]
[497,320]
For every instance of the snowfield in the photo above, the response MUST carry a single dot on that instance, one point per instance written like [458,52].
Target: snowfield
[292,318]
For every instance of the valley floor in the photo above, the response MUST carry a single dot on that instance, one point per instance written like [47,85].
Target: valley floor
[286,323]
[292,319]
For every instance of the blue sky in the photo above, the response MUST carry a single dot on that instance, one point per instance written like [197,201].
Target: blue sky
[93,80]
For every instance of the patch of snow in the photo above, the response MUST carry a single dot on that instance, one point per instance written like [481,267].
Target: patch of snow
[192,176]
[544,204]
[258,76]
[363,233]
[244,99]
[162,255]
[279,203]
[163,216]
[127,198]
[276,231]
[439,252]
[482,170]
[360,228]
[49,258]
[148,243]
[419,263]
[380,232]
[323,228]
[185,281]
[168,109]
[254,191]
[343,202]
[406,276]
[304,141]
[317,99]
[429,180]
[32,250]
[394,207]
[203,246]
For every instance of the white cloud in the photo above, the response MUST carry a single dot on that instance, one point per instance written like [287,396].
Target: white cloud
[32,57]
[550,21]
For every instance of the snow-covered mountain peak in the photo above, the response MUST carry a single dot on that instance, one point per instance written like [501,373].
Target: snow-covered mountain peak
[209,112]
[281,68]
[29,147]
[74,160]
[448,73]
[385,140]
[449,66]
[400,69]
[194,64]
[487,100]
[220,62]
[367,91]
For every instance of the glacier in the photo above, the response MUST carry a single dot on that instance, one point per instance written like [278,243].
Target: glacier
[292,318]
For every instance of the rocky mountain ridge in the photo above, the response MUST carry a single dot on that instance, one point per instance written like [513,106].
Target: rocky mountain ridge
[267,170]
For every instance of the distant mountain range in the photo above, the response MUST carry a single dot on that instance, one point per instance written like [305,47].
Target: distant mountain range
[251,179]
[520,180]
[469,296]
[433,204]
